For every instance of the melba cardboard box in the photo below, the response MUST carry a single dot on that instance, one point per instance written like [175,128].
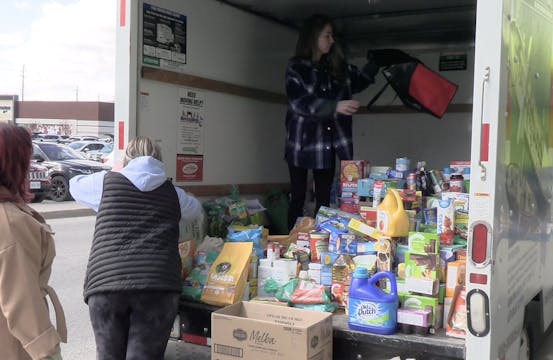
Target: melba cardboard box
[253,331]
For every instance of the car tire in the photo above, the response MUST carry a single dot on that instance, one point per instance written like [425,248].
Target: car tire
[38,199]
[60,189]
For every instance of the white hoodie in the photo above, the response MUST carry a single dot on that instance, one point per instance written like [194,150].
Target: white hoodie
[145,172]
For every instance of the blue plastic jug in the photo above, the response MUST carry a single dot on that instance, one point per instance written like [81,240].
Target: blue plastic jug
[370,309]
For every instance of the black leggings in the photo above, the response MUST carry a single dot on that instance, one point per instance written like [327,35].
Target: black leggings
[132,325]
[323,179]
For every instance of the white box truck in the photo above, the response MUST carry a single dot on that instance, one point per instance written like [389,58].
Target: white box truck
[212,95]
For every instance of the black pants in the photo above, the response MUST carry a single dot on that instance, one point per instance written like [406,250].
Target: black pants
[323,179]
[132,325]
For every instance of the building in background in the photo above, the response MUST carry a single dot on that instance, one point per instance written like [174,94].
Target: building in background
[70,118]
[7,108]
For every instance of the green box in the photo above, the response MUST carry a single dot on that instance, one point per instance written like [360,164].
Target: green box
[422,266]
[419,302]
[424,243]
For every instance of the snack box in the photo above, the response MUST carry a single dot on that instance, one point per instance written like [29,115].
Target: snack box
[352,170]
[455,276]
[419,302]
[423,243]
[421,266]
[359,227]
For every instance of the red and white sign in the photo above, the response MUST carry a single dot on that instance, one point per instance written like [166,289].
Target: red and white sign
[190,167]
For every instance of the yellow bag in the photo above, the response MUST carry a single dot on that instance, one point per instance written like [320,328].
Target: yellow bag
[227,277]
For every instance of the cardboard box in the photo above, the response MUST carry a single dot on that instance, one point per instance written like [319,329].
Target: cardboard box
[254,331]
[456,271]
[423,243]
[419,302]
[422,266]
[352,170]
[359,227]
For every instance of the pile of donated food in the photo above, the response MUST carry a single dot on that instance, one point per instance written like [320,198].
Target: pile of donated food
[391,255]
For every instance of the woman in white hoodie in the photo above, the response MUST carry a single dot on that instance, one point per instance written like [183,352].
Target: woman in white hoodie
[133,278]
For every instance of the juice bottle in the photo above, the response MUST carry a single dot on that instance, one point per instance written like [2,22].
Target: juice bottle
[391,218]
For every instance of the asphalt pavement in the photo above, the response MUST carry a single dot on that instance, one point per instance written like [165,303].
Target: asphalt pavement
[55,210]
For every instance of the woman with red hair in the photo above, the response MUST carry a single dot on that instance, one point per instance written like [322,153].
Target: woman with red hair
[26,255]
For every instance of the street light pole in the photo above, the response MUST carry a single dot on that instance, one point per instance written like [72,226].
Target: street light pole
[23,83]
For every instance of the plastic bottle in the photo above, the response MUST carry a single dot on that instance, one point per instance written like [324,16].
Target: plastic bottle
[391,218]
[370,309]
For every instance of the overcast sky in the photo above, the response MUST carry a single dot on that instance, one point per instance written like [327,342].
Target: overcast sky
[66,46]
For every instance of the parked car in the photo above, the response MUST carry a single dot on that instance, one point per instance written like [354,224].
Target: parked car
[84,138]
[63,163]
[39,181]
[109,159]
[99,155]
[49,138]
[88,146]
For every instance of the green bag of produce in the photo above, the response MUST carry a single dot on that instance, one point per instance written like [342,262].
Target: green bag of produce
[285,292]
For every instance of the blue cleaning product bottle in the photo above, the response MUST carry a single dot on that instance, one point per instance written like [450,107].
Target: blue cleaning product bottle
[370,309]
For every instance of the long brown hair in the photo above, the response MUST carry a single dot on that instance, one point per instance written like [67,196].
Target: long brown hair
[16,148]
[307,45]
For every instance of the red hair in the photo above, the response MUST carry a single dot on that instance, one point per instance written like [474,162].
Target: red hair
[16,148]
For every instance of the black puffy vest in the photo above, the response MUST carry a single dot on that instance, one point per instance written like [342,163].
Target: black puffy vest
[135,244]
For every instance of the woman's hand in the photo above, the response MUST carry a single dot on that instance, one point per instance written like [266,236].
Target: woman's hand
[347,107]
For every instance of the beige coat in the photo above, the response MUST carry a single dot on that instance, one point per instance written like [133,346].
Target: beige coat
[26,255]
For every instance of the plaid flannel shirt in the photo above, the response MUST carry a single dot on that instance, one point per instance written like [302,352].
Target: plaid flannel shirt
[314,131]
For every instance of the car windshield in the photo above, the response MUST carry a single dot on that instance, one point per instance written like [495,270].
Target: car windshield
[60,152]
[76,145]
[107,148]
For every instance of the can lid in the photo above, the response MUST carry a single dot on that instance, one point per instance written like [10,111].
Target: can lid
[361,273]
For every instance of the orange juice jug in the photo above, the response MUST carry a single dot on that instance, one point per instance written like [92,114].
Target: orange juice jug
[391,218]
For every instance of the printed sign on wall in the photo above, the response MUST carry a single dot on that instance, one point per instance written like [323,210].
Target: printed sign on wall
[190,119]
[163,38]
[7,113]
[190,167]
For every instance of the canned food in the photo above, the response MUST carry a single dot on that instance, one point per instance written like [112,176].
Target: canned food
[319,243]
[273,251]
[411,181]
[402,164]
[456,182]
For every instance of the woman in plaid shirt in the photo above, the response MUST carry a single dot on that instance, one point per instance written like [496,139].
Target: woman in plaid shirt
[319,87]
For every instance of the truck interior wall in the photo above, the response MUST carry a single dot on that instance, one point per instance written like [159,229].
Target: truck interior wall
[244,138]
[381,138]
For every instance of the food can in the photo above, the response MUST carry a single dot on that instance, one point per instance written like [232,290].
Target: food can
[456,182]
[273,251]
[319,243]
[411,181]
[402,164]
